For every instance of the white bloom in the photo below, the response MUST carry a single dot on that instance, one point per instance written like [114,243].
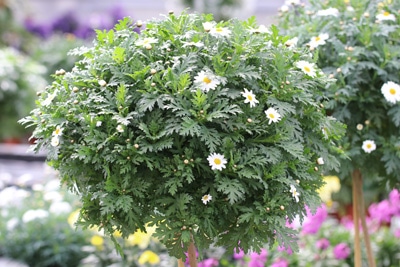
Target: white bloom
[292,42]
[61,207]
[318,40]
[272,115]
[350,9]
[294,193]
[196,44]
[49,99]
[31,215]
[12,196]
[206,81]
[359,126]
[102,83]
[58,131]
[52,196]
[217,161]
[385,16]
[98,123]
[328,12]
[52,185]
[146,41]
[220,31]
[284,8]
[320,161]
[120,128]
[55,141]
[307,67]
[206,198]
[208,26]
[250,97]
[260,29]
[368,146]
[391,92]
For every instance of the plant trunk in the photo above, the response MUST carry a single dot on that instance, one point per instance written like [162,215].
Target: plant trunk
[180,263]
[192,255]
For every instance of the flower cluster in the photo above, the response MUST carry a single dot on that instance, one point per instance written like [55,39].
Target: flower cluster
[196,127]
[357,44]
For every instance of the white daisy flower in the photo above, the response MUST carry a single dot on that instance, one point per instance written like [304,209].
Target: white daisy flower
[58,131]
[292,42]
[196,44]
[294,193]
[320,161]
[391,92]
[385,16]
[307,67]
[250,97]
[318,40]
[99,123]
[217,161]
[284,8]
[55,141]
[206,198]
[120,128]
[220,31]
[272,115]
[260,29]
[368,146]
[146,41]
[328,12]
[206,81]
[208,26]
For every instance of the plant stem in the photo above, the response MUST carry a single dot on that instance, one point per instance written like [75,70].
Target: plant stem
[370,256]
[180,263]
[356,212]
[192,255]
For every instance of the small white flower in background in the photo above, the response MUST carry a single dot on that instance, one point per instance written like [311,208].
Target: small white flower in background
[294,193]
[60,207]
[58,131]
[307,67]
[217,161]
[31,215]
[320,161]
[260,29]
[52,185]
[98,123]
[206,81]
[52,196]
[318,40]
[359,127]
[272,115]
[368,146]
[102,83]
[350,9]
[206,198]
[385,16]
[12,196]
[208,26]
[55,141]
[250,97]
[391,92]
[328,12]
[146,41]
[220,31]
[196,44]
[284,8]
[120,128]
[12,223]
[292,42]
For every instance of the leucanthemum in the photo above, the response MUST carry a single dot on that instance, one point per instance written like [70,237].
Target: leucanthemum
[206,81]
[206,198]
[217,161]
[391,92]
[250,97]
[196,44]
[55,141]
[292,42]
[307,67]
[220,31]
[368,146]
[328,12]
[120,128]
[260,29]
[146,41]
[294,193]
[272,115]
[385,16]
[207,26]
[318,40]
[58,131]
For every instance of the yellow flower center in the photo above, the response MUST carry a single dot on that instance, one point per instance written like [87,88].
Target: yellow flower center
[219,29]
[206,80]
[369,146]
[317,38]
[392,91]
[386,13]
[249,97]
[58,131]
[271,115]
[217,161]
[205,197]
[307,69]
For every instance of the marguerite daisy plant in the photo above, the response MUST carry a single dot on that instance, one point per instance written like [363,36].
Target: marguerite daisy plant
[192,126]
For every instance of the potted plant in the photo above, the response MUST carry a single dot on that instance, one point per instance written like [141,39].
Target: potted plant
[358,44]
[212,132]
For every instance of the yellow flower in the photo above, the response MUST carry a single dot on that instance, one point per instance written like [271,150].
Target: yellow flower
[73,218]
[141,239]
[149,256]
[97,241]
[332,185]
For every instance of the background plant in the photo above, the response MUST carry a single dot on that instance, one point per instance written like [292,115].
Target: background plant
[211,132]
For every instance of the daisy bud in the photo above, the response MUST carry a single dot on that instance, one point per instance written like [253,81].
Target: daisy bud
[76,102]
[153,71]
[38,93]
[75,89]
[149,47]
[139,23]
[128,158]
[282,207]
[171,12]
[136,146]
[249,120]
[320,161]
[338,70]
[102,83]
[316,169]
[359,127]
[367,122]
[153,84]
[267,209]
[186,161]
[298,181]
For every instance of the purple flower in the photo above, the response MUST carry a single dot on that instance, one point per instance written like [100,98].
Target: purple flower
[258,259]
[287,250]
[238,255]
[394,198]
[280,263]
[381,212]
[312,223]
[341,251]
[209,263]
[322,244]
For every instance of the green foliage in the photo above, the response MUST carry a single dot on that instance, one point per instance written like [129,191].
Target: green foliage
[140,116]
[362,54]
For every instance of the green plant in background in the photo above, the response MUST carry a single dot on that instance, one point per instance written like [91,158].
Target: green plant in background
[358,43]
[20,79]
[209,131]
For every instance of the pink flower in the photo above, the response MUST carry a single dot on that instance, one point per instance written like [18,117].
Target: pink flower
[209,263]
[258,259]
[313,222]
[382,211]
[341,251]
[238,255]
[280,263]
[322,244]
[287,250]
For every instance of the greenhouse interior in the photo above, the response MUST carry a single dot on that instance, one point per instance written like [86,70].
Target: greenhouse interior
[209,133]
